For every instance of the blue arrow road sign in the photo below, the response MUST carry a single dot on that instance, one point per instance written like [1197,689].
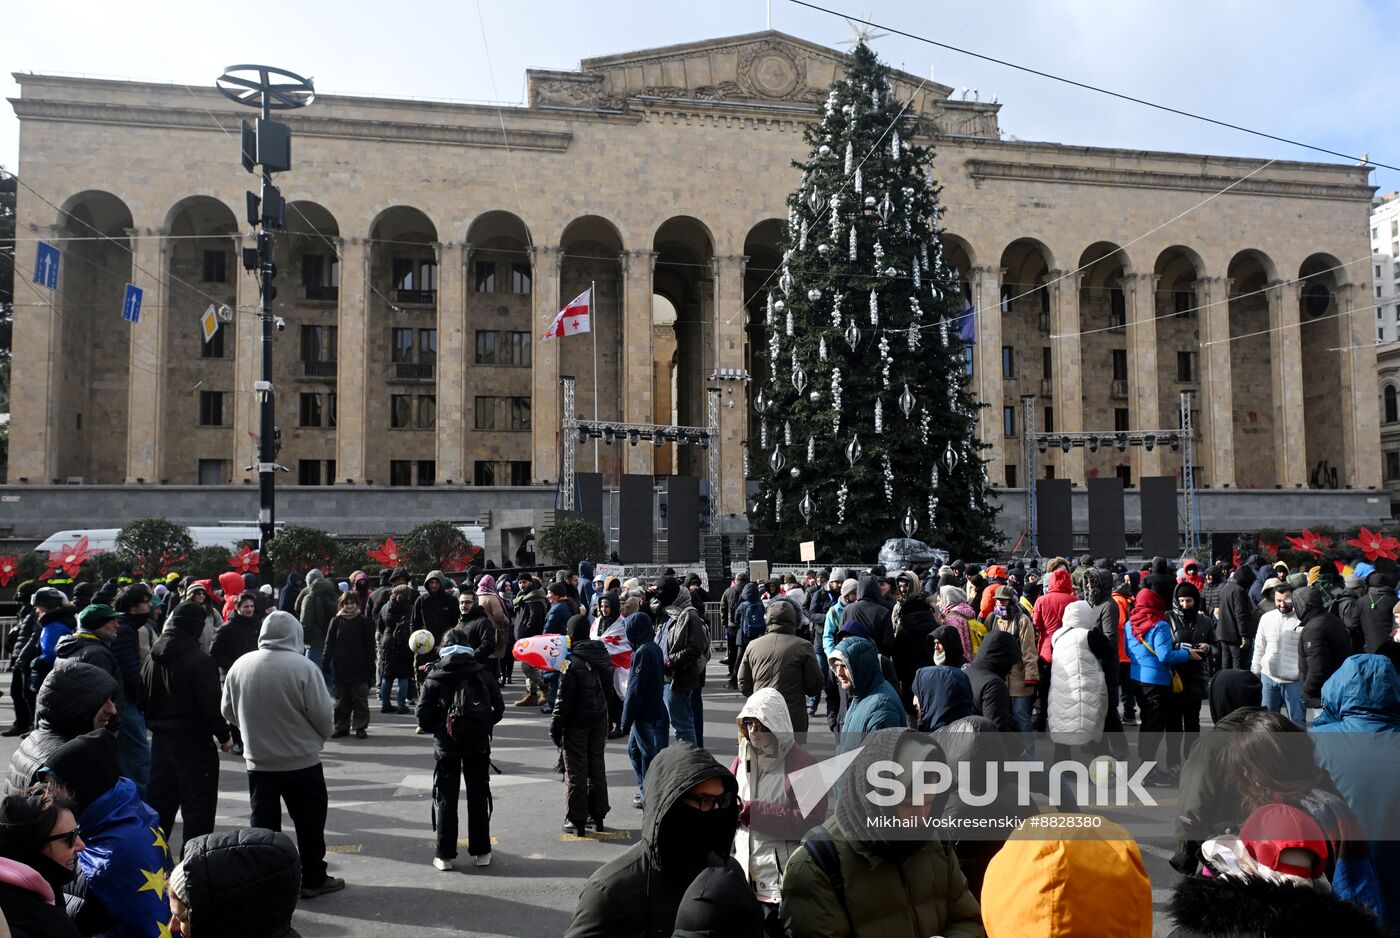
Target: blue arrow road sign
[131,304]
[46,258]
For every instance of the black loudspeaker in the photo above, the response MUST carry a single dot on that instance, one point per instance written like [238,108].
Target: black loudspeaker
[1107,534]
[682,519]
[762,548]
[1160,530]
[1222,546]
[636,530]
[589,486]
[1054,519]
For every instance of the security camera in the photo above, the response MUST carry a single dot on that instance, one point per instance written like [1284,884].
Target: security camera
[280,323]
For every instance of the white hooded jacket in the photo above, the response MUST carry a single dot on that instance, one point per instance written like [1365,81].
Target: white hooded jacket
[1078,691]
[764,779]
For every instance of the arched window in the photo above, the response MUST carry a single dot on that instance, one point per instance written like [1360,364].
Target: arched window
[1392,408]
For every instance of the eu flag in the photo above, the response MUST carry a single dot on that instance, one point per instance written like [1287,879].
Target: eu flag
[126,861]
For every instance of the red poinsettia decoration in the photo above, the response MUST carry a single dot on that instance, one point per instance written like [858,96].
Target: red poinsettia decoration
[8,567]
[1269,548]
[461,559]
[1376,545]
[70,558]
[245,561]
[1236,560]
[1310,542]
[387,555]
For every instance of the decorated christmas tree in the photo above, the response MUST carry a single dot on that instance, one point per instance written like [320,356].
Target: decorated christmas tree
[866,425]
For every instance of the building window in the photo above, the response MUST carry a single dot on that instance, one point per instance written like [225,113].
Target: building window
[1184,304]
[330,411]
[520,472]
[1392,407]
[427,411]
[411,273]
[318,343]
[213,471]
[485,472]
[1008,421]
[520,413]
[502,348]
[1392,466]
[1047,367]
[1395,227]
[1125,473]
[400,472]
[519,348]
[485,278]
[427,472]
[1378,271]
[969,353]
[1010,476]
[485,347]
[400,345]
[1049,420]
[1120,364]
[1186,367]
[311,413]
[485,415]
[308,471]
[1008,362]
[211,408]
[215,267]
[520,279]
[1378,292]
[1045,301]
[1120,419]
[401,411]
[214,348]
[1117,308]
[1006,299]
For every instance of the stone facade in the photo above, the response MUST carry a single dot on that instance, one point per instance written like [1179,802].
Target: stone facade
[1106,281]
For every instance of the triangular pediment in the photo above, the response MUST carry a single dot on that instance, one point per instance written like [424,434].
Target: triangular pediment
[764,69]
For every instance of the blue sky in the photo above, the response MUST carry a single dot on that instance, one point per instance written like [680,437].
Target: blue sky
[1327,74]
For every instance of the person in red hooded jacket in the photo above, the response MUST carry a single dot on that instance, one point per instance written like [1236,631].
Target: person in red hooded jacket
[231,584]
[1047,614]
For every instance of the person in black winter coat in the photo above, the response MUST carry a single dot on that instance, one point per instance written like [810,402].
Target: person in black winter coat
[24,647]
[1192,626]
[1377,610]
[184,716]
[75,698]
[580,727]
[239,635]
[1346,604]
[97,626]
[395,625]
[719,903]
[287,602]
[1160,580]
[912,649]
[235,884]
[35,830]
[991,697]
[870,611]
[466,756]
[1236,625]
[1322,647]
[349,660]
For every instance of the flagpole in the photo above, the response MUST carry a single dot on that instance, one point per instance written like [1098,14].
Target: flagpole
[593,328]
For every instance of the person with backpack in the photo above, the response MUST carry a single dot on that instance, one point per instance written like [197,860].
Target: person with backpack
[749,619]
[865,872]
[579,727]
[460,704]
[1346,606]
[687,647]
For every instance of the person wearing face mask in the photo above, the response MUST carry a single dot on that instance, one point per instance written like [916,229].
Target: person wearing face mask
[947,645]
[39,846]
[1008,615]
[771,822]
[1193,627]
[1275,660]
[688,824]
[854,877]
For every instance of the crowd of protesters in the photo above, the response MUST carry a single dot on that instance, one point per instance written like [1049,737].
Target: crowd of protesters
[126,694]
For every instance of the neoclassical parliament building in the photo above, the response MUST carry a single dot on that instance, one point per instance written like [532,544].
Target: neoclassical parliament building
[429,245]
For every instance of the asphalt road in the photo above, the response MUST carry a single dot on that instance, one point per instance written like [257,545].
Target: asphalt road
[380,836]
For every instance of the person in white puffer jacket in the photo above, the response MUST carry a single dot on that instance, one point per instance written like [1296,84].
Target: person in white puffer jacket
[1078,700]
[1276,645]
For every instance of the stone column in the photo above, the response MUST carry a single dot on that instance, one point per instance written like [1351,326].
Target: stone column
[730,319]
[1144,402]
[544,396]
[352,381]
[987,381]
[1286,355]
[1067,358]
[36,370]
[638,404]
[246,348]
[147,358]
[1361,389]
[451,362]
[1217,392]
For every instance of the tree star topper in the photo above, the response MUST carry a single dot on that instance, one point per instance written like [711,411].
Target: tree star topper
[862,32]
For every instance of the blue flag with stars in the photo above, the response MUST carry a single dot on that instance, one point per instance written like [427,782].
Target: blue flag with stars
[126,861]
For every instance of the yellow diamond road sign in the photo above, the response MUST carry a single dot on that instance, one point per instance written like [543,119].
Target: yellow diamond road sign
[209,322]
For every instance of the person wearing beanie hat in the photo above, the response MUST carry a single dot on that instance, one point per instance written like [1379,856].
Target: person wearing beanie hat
[39,846]
[719,904]
[235,884]
[893,879]
[277,698]
[685,639]
[75,698]
[187,730]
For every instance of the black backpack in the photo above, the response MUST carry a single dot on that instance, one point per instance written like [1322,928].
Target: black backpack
[752,626]
[470,715]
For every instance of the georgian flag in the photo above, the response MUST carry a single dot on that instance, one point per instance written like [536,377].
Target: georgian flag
[574,318]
